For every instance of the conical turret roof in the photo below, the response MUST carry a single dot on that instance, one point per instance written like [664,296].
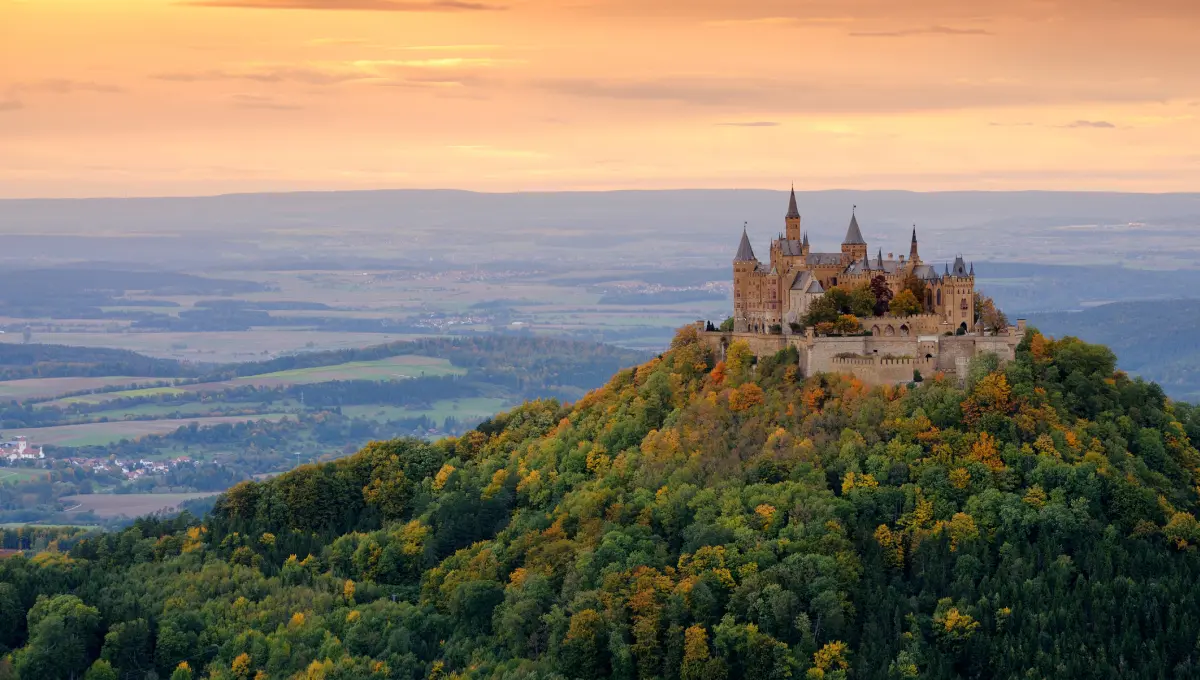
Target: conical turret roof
[793,212]
[744,252]
[854,235]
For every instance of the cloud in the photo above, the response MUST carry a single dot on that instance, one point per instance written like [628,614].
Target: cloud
[65,86]
[334,73]
[798,96]
[350,5]
[928,30]
[752,124]
[1089,124]
[269,74]
[779,21]
[10,105]
[258,101]
[493,152]
[1010,124]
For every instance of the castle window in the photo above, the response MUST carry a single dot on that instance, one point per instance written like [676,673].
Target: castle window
[939,297]
[963,305]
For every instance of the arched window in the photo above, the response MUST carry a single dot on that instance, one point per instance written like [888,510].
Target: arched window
[874,330]
[939,297]
[904,331]
[963,304]
[889,331]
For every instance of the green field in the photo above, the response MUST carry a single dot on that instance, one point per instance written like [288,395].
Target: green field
[101,434]
[131,505]
[20,474]
[188,409]
[109,396]
[463,409]
[392,368]
[42,388]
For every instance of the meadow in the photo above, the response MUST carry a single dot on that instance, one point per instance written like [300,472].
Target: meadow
[462,409]
[21,474]
[108,505]
[43,388]
[99,434]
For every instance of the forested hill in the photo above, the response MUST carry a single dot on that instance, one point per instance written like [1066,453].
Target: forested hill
[692,520]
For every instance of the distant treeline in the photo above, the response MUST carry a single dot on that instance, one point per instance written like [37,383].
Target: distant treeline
[80,293]
[666,297]
[19,362]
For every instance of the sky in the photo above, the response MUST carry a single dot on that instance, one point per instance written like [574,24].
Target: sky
[188,97]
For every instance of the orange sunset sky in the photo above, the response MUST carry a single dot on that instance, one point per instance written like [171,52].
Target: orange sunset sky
[171,97]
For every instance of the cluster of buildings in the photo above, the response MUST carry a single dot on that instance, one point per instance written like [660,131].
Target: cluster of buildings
[18,449]
[129,469]
[771,300]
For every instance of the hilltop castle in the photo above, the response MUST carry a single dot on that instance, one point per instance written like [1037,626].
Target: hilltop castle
[778,294]
[937,332]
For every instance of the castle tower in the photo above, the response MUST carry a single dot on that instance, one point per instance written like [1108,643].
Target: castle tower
[792,219]
[854,246]
[913,258]
[958,290]
[804,247]
[744,265]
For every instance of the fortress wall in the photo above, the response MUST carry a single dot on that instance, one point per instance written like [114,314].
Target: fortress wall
[918,324]
[876,371]
[760,344]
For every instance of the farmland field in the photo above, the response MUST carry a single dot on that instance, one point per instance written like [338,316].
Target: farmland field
[42,388]
[463,409]
[20,474]
[392,368]
[216,346]
[131,505]
[109,396]
[99,434]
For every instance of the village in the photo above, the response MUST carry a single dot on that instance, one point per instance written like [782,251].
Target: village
[17,452]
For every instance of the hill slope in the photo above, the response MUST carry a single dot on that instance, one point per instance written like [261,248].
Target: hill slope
[688,520]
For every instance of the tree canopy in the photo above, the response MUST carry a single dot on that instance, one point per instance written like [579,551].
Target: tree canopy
[693,518]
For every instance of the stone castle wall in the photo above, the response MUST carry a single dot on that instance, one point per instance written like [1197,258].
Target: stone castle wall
[878,360]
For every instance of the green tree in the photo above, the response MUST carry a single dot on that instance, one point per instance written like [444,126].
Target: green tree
[128,646]
[862,301]
[63,633]
[101,670]
[905,304]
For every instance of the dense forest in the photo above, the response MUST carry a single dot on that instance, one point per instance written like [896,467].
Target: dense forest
[694,519]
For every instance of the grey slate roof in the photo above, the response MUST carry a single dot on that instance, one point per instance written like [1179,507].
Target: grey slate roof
[744,252]
[853,233]
[807,283]
[960,267]
[790,247]
[793,212]
[824,258]
[925,273]
[882,266]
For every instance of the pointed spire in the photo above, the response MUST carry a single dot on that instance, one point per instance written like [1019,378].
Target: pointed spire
[793,212]
[972,269]
[947,271]
[853,233]
[744,252]
[914,238]
[806,239]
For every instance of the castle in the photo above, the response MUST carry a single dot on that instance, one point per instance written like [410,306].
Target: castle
[938,332]
[779,293]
